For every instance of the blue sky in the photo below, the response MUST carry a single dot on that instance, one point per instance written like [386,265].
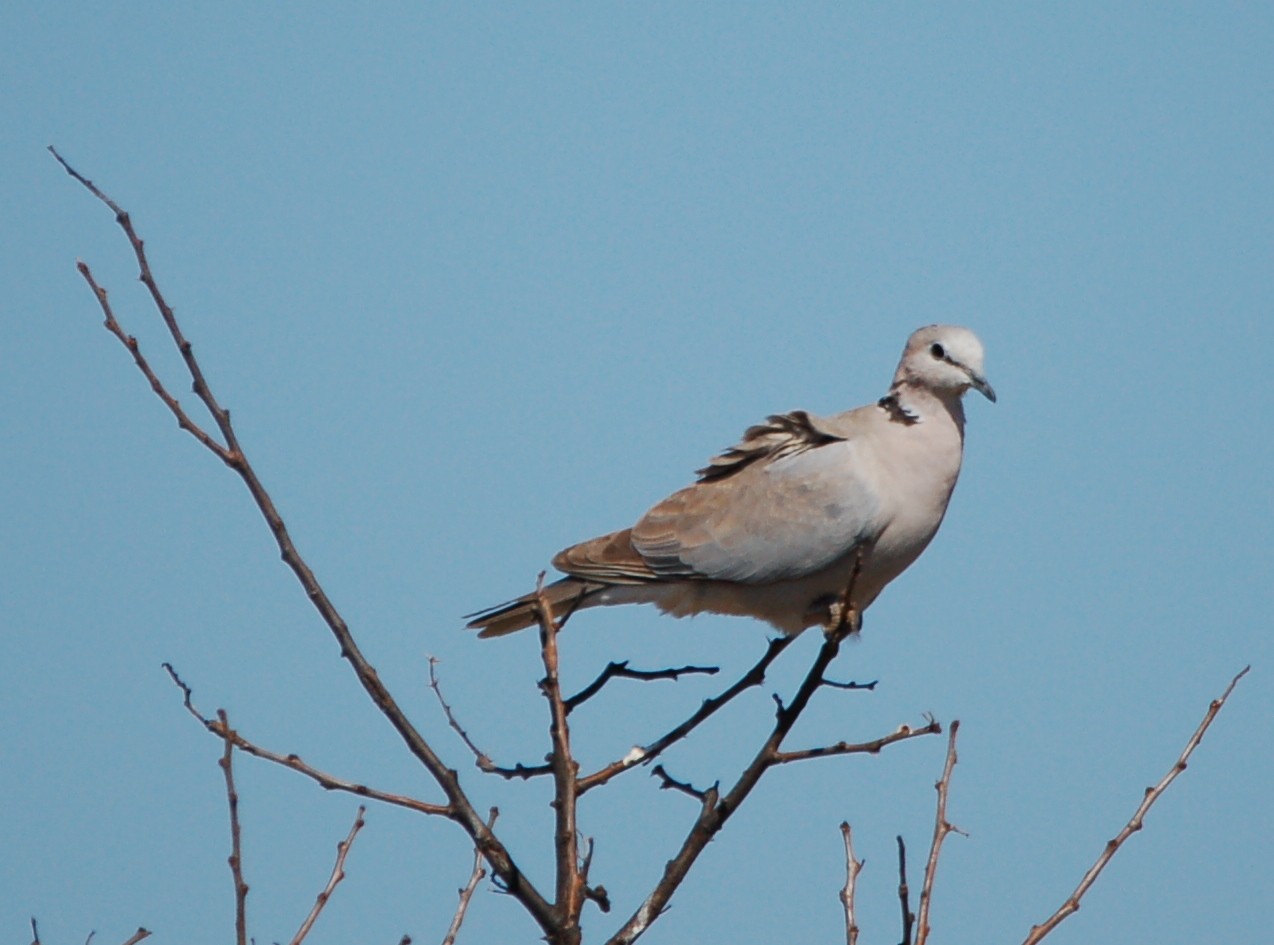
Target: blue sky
[480,283]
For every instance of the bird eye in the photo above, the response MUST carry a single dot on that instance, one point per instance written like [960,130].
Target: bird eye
[937,351]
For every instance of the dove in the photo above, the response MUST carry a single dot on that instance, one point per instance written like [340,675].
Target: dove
[806,518]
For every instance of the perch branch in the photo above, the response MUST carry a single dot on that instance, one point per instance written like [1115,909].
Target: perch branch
[338,874]
[715,812]
[904,732]
[1071,905]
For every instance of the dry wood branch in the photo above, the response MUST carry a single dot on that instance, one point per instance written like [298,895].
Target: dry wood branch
[941,827]
[644,755]
[668,783]
[853,867]
[338,874]
[904,893]
[295,763]
[715,813]
[903,732]
[466,893]
[236,852]
[570,880]
[137,937]
[1071,905]
[620,670]
[482,759]
[459,808]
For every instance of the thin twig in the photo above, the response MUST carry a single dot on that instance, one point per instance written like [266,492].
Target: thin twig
[668,783]
[620,670]
[35,932]
[338,874]
[467,892]
[236,852]
[853,867]
[294,762]
[644,755]
[459,808]
[482,758]
[904,893]
[138,936]
[941,827]
[1071,905]
[903,732]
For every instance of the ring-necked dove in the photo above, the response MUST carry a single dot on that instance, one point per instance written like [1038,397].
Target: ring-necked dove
[802,508]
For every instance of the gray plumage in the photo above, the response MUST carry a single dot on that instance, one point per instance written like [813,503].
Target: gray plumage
[774,526]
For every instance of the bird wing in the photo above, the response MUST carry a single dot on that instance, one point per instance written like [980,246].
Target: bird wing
[782,503]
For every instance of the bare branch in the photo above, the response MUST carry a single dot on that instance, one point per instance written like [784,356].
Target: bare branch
[294,762]
[941,827]
[714,813]
[338,874]
[138,936]
[1071,905]
[236,853]
[570,883]
[904,893]
[668,783]
[459,808]
[620,670]
[467,892]
[903,732]
[35,932]
[852,868]
[482,758]
[644,755]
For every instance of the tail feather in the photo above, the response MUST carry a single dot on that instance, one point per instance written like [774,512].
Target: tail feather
[563,597]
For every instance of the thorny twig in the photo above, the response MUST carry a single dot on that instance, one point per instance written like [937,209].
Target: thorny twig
[338,874]
[294,762]
[1071,905]
[467,892]
[941,827]
[853,867]
[482,759]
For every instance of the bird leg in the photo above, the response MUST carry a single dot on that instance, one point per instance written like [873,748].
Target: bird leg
[844,618]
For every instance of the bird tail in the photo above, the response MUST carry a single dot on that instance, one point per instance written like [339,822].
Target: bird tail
[564,597]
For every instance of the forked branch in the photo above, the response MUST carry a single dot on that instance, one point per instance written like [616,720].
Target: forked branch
[459,807]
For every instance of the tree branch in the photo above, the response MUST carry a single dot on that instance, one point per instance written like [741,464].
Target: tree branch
[1071,905]
[852,868]
[644,755]
[570,882]
[460,808]
[236,853]
[941,827]
[466,893]
[904,893]
[338,874]
[621,670]
[326,781]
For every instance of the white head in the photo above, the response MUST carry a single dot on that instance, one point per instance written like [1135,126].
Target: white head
[945,359]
